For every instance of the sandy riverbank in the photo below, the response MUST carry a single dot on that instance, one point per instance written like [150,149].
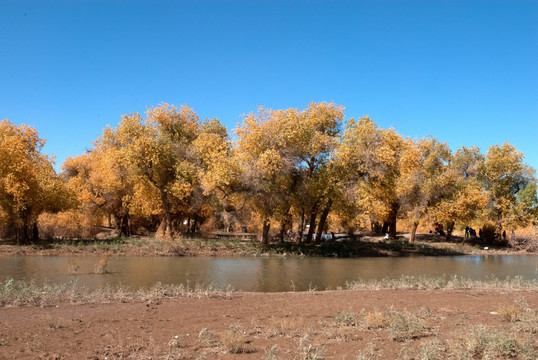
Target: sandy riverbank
[377,324]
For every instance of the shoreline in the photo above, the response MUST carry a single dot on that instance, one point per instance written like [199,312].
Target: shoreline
[364,246]
[411,317]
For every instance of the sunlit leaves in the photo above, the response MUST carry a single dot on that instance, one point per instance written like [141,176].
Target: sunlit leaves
[287,167]
[505,176]
[28,182]
[284,157]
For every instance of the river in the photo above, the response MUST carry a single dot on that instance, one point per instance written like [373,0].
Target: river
[265,274]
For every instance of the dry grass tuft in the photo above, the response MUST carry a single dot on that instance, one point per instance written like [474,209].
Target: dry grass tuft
[344,318]
[100,267]
[481,342]
[405,326]
[509,312]
[207,338]
[72,268]
[287,326]
[375,320]
[370,353]
[443,282]
[310,352]
[233,340]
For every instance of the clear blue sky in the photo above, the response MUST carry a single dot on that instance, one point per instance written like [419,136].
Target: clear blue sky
[465,72]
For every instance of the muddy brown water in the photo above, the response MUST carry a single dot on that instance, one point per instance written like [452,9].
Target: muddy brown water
[267,274]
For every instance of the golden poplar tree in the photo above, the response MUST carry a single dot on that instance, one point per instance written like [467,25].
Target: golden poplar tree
[160,150]
[462,197]
[504,175]
[422,183]
[372,156]
[28,183]
[285,157]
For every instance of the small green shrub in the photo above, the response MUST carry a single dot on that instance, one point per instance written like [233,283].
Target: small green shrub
[406,326]
[344,318]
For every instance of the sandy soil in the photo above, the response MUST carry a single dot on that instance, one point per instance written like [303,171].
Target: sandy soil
[335,324]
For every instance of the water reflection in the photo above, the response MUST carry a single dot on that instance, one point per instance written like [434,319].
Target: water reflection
[261,274]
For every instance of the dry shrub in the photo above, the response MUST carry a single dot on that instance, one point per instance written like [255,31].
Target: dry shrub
[233,340]
[375,320]
[100,267]
[66,225]
[207,338]
[287,325]
[480,342]
[531,231]
[209,227]
[174,346]
[509,312]
[310,352]
[72,268]
[53,323]
[370,353]
[3,223]
[432,350]
[528,243]
[173,247]
[344,318]
[406,326]
[271,353]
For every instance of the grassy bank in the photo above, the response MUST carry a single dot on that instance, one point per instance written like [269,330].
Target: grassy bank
[32,293]
[363,245]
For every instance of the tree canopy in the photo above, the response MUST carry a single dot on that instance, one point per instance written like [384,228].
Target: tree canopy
[287,173]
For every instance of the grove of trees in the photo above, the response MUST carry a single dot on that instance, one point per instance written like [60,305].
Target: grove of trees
[283,174]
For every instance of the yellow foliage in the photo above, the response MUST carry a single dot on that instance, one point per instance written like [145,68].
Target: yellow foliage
[283,165]
[28,182]
[70,224]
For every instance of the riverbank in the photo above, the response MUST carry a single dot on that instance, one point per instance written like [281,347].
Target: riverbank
[363,245]
[481,321]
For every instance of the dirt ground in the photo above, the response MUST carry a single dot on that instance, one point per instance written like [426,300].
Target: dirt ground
[382,324]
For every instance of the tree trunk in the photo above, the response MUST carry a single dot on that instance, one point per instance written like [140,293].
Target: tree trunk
[22,235]
[376,227]
[385,227]
[392,220]
[160,230]
[265,232]
[191,226]
[284,222]
[124,226]
[312,228]
[28,231]
[24,232]
[117,223]
[167,232]
[449,229]
[300,230]
[322,220]
[35,232]
[414,227]
[121,224]
[350,231]
[281,231]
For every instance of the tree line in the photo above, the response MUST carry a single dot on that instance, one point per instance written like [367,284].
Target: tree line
[285,173]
